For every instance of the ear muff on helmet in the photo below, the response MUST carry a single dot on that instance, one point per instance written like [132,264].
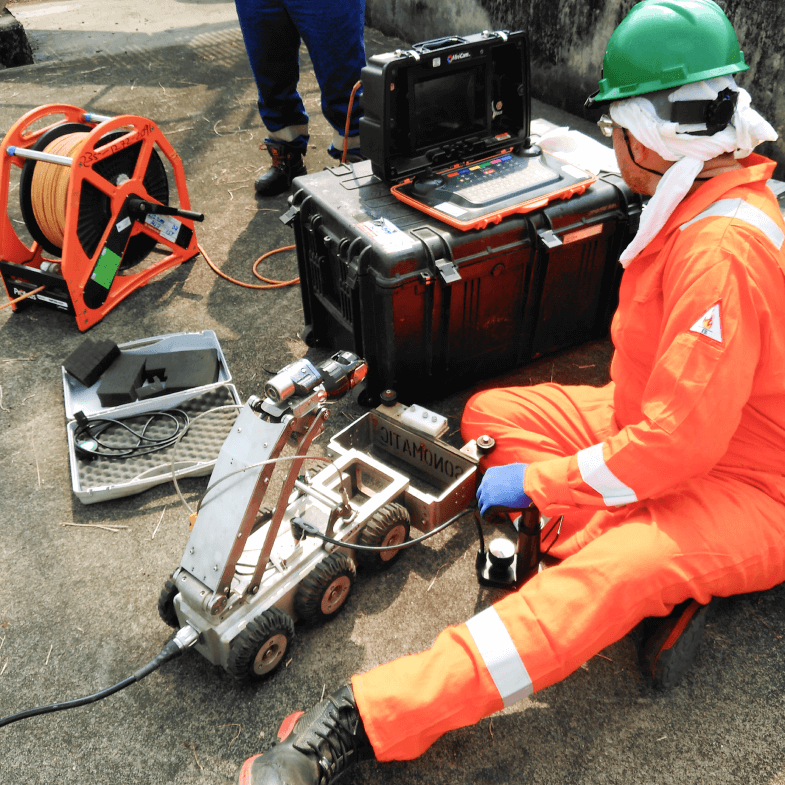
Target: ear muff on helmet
[715,114]
[719,112]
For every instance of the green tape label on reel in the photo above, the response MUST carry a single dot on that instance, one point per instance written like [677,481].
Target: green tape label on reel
[106,268]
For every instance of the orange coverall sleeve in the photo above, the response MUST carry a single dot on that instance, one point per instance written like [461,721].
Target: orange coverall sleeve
[693,398]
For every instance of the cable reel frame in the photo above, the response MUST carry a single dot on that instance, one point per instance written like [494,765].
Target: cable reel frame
[128,227]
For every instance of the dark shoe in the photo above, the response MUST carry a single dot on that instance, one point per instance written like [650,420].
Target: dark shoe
[669,644]
[316,747]
[287,164]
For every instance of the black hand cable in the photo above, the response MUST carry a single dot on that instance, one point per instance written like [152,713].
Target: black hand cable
[314,532]
[90,429]
[184,639]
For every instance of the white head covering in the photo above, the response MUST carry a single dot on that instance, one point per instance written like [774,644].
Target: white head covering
[746,131]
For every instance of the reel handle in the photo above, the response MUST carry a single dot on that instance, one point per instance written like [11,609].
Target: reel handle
[187,214]
[142,207]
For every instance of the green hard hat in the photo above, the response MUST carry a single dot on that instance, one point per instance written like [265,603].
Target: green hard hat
[662,44]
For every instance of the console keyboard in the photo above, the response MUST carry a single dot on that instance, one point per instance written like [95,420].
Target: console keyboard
[497,178]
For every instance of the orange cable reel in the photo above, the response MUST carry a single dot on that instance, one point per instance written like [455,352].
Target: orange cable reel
[95,198]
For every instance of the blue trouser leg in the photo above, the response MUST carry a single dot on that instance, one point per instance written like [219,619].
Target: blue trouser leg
[332,32]
[272,42]
[334,35]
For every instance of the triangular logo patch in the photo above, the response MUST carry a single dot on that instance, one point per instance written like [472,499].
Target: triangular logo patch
[709,324]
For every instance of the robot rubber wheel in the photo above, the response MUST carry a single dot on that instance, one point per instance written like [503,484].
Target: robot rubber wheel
[261,647]
[325,589]
[166,603]
[309,338]
[388,526]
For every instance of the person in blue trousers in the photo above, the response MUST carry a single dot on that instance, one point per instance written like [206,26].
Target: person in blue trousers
[333,34]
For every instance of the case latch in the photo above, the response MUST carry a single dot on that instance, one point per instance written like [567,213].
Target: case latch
[288,217]
[447,271]
[296,202]
[356,263]
[443,267]
[549,239]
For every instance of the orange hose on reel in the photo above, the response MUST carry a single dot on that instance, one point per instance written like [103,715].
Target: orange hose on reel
[270,283]
[49,188]
[22,297]
[348,122]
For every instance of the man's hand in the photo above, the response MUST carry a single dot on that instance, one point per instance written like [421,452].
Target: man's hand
[502,486]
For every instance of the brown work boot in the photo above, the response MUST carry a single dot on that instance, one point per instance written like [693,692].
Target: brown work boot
[316,747]
[287,164]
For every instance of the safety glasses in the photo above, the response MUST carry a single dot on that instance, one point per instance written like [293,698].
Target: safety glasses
[606,125]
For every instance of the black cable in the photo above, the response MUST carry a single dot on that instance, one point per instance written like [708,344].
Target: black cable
[543,537]
[89,430]
[479,533]
[172,649]
[314,532]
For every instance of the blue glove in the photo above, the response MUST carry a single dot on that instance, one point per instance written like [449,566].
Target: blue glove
[502,486]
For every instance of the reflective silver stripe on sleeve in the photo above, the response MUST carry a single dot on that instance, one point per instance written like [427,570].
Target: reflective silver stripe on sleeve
[500,656]
[596,474]
[739,209]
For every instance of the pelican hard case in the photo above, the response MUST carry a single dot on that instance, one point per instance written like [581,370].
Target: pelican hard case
[433,308]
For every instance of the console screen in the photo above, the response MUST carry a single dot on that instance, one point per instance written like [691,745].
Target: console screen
[448,106]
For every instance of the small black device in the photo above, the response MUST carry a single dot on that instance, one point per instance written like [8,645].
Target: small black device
[508,563]
[446,123]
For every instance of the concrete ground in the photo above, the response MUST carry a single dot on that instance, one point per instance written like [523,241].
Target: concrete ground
[78,604]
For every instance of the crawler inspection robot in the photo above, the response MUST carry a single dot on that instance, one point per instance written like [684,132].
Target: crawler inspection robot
[250,572]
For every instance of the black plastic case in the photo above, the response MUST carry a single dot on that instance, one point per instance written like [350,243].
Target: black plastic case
[433,309]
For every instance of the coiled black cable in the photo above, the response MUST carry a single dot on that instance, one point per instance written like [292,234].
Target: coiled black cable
[89,445]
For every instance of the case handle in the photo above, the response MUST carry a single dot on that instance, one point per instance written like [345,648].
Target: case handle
[439,43]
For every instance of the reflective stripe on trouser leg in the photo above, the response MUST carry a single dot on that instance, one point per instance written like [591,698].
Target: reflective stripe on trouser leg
[500,656]
[407,704]
[289,134]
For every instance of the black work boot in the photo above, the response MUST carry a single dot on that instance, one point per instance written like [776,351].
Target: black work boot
[669,644]
[287,164]
[316,747]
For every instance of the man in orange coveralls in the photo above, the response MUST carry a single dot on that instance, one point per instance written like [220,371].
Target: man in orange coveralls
[671,479]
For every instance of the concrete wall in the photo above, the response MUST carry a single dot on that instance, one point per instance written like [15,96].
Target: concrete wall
[568,37]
